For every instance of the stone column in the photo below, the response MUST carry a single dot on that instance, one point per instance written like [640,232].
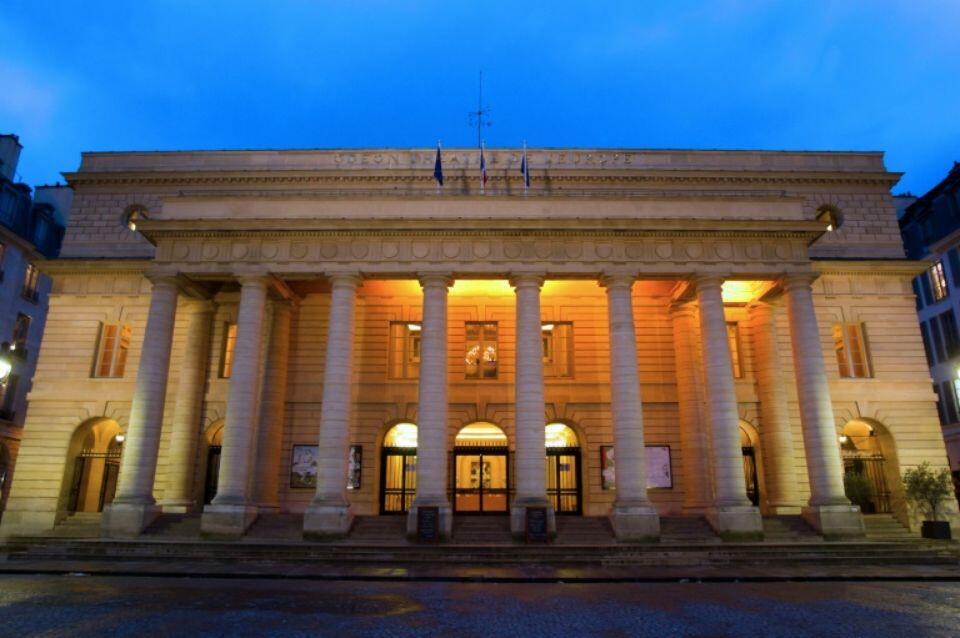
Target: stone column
[232,512]
[633,516]
[732,515]
[694,435]
[530,420]
[329,514]
[134,507]
[185,434]
[272,407]
[829,510]
[432,407]
[778,456]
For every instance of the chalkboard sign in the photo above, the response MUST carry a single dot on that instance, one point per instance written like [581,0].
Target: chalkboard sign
[428,524]
[537,530]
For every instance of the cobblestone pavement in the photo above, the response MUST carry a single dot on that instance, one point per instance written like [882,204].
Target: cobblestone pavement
[149,606]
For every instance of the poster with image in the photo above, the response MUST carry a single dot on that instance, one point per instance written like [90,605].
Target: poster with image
[303,466]
[658,467]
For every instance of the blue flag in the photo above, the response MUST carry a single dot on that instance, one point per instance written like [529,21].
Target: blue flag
[525,169]
[438,168]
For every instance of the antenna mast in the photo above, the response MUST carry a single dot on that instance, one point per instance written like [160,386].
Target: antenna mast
[480,117]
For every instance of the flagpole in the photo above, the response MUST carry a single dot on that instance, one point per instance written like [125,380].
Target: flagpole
[439,183]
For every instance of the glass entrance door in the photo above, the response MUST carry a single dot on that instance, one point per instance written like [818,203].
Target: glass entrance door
[398,479]
[481,481]
[563,480]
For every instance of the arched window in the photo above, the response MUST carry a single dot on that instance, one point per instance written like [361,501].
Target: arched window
[401,435]
[831,216]
[133,215]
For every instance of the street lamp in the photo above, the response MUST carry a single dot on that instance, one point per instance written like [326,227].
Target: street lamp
[5,364]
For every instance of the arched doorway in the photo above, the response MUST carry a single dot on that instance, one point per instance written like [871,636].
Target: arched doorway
[564,486]
[862,453]
[96,448]
[481,467]
[213,437]
[398,468]
[749,451]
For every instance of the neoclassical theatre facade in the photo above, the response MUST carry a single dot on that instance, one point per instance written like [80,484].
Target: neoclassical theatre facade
[717,334]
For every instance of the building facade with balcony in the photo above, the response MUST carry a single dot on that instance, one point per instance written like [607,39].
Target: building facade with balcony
[31,229]
[640,334]
[931,232]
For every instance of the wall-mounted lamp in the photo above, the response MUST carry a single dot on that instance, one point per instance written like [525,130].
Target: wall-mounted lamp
[6,365]
[119,438]
[843,439]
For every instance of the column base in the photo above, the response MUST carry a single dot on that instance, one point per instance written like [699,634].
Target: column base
[446,519]
[736,522]
[226,521]
[784,510]
[268,508]
[127,520]
[327,521]
[835,522]
[178,507]
[635,523]
[27,523]
[518,517]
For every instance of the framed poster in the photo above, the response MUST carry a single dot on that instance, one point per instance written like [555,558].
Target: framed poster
[303,466]
[659,469]
[608,471]
[354,467]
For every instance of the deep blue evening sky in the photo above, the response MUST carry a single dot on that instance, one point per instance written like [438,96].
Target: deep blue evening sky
[145,75]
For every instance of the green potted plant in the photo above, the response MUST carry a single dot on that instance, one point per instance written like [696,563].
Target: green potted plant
[858,489]
[927,490]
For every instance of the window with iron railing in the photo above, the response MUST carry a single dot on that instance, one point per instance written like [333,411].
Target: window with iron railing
[31,283]
[112,351]
[404,354]
[851,350]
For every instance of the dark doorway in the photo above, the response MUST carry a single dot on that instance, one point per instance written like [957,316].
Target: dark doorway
[750,475]
[213,474]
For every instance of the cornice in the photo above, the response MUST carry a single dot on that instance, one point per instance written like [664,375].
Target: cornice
[419,182]
[488,227]
[871,267]
[95,266]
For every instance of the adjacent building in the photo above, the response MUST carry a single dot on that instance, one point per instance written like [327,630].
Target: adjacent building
[31,229]
[931,232]
[638,334]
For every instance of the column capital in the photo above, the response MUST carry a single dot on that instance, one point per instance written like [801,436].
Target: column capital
[349,280]
[707,280]
[163,277]
[795,280]
[617,280]
[435,279]
[527,279]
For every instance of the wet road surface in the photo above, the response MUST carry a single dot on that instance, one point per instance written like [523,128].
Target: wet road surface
[144,606]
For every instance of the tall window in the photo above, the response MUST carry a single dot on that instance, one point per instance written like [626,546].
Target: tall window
[951,339]
[114,346]
[851,350]
[733,339]
[3,252]
[481,350]
[949,400]
[927,346]
[229,341]
[8,403]
[938,281]
[937,339]
[21,332]
[404,359]
[31,280]
[557,349]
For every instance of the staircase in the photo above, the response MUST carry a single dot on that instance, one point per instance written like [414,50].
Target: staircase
[481,530]
[78,525]
[276,527]
[789,529]
[683,530]
[584,530]
[174,527]
[379,530]
[885,528]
